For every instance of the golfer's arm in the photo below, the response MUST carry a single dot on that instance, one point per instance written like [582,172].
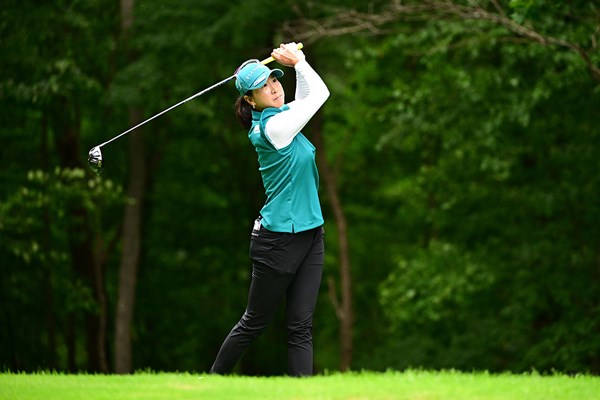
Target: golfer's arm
[283,127]
[302,87]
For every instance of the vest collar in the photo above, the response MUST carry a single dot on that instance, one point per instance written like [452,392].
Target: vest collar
[256,115]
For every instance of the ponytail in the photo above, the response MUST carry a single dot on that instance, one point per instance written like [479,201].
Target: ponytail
[243,112]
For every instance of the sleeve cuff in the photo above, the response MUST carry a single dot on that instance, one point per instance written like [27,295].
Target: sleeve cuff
[300,65]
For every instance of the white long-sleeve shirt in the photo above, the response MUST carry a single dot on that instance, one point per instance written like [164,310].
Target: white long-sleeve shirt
[311,93]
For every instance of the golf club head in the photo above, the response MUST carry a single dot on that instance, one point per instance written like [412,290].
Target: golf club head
[95,160]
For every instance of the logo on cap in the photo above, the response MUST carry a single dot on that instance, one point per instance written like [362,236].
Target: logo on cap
[258,82]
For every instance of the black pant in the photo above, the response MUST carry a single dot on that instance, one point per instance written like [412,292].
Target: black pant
[283,264]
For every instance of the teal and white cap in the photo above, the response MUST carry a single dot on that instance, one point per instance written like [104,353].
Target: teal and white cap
[253,76]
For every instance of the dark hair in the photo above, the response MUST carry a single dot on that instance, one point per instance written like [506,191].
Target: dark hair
[243,111]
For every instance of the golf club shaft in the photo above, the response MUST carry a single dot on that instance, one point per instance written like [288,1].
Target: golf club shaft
[264,62]
[169,109]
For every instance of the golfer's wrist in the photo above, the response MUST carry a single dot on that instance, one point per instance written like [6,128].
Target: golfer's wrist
[300,64]
[299,56]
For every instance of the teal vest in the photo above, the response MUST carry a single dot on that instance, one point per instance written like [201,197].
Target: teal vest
[290,178]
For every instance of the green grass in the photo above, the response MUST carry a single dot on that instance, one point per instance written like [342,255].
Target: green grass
[410,385]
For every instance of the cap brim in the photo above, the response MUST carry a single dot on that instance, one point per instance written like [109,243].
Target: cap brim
[277,72]
[258,83]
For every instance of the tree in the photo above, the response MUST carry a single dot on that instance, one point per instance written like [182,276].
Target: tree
[51,85]
[342,304]
[516,16]
[467,86]
[132,221]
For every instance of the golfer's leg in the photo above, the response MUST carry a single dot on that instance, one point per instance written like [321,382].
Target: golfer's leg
[267,289]
[301,301]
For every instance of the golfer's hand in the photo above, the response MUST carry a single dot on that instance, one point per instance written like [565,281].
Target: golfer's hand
[288,54]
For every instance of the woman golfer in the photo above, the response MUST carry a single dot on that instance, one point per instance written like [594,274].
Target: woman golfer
[286,246]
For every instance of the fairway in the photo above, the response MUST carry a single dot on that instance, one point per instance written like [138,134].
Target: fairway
[410,385]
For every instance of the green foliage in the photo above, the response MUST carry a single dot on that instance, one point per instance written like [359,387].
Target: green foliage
[42,204]
[37,281]
[486,143]
[431,285]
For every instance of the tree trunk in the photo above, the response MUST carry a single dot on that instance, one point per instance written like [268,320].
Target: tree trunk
[70,342]
[131,225]
[344,308]
[131,252]
[66,124]
[99,290]
[48,280]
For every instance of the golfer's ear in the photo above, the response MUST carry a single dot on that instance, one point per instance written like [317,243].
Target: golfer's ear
[249,100]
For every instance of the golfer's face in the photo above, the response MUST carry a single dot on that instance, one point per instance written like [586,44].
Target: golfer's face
[270,95]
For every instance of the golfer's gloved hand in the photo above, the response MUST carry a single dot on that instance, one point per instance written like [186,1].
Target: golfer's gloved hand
[288,54]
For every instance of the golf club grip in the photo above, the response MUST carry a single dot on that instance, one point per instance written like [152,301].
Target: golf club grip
[271,59]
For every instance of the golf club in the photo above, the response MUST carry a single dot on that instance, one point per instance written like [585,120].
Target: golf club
[95,160]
